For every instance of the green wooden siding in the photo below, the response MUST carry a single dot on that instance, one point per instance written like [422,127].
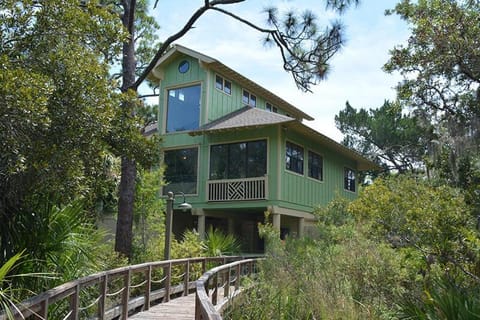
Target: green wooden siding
[175,79]
[285,188]
[300,189]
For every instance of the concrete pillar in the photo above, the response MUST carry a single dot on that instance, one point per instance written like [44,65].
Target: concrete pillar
[276,221]
[301,227]
[200,222]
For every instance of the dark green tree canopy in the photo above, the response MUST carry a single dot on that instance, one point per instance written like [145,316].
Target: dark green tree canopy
[386,135]
[441,68]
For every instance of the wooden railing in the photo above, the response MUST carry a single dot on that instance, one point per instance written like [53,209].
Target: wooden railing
[119,292]
[219,286]
[237,189]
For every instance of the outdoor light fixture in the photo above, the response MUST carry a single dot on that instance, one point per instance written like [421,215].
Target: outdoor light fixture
[184,206]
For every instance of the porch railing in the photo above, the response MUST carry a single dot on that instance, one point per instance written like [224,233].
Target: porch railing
[237,189]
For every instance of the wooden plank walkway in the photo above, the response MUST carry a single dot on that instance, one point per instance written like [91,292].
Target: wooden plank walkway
[182,308]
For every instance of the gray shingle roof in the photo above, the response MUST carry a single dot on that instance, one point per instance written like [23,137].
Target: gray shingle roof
[245,117]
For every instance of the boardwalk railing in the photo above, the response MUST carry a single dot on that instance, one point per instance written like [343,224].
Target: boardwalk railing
[115,294]
[210,300]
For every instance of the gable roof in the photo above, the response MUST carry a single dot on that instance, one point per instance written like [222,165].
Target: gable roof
[221,68]
[246,117]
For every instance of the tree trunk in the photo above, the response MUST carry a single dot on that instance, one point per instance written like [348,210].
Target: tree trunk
[126,192]
[124,233]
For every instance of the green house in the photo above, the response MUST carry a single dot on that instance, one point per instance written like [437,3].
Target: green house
[236,150]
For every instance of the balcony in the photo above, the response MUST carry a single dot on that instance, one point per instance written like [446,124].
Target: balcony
[237,189]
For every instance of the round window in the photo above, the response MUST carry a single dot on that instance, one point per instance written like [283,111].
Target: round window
[183,66]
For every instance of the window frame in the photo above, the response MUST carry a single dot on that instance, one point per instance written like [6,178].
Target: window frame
[166,106]
[224,81]
[303,158]
[250,95]
[347,186]
[321,179]
[237,142]
[197,184]
[270,107]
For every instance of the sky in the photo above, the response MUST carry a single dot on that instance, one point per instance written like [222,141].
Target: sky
[356,71]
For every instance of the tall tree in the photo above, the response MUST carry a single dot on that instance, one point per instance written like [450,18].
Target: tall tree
[304,50]
[441,69]
[391,138]
[56,105]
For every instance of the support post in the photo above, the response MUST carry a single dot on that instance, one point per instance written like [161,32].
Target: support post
[301,227]
[276,221]
[201,225]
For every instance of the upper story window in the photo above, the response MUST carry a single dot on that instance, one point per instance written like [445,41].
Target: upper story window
[294,158]
[315,166]
[270,107]
[238,160]
[181,171]
[349,180]
[249,99]
[183,108]
[223,84]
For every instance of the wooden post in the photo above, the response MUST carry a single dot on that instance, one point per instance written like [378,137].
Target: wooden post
[226,291]
[168,281]
[237,279]
[215,289]
[43,312]
[186,280]
[126,294]
[74,303]
[148,287]
[103,297]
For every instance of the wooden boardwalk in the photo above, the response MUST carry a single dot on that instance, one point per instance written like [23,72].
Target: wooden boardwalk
[182,308]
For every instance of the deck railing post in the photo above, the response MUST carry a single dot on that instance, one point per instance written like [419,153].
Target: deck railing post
[237,279]
[43,312]
[148,287]
[226,291]
[168,281]
[126,294]
[186,280]
[74,303]
[215,289]
[103,297]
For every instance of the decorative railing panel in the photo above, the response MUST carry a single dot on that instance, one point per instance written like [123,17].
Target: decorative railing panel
[237,189]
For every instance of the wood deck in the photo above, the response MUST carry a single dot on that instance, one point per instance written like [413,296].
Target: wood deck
[182,308]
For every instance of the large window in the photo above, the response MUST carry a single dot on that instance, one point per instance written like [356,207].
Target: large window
[294,158]
[315,165]
[349,180]
[183,108]
[238,160]
[181,171]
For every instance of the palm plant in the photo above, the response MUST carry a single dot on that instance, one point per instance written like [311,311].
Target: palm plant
[60,241]
[8,293]
[218,244]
